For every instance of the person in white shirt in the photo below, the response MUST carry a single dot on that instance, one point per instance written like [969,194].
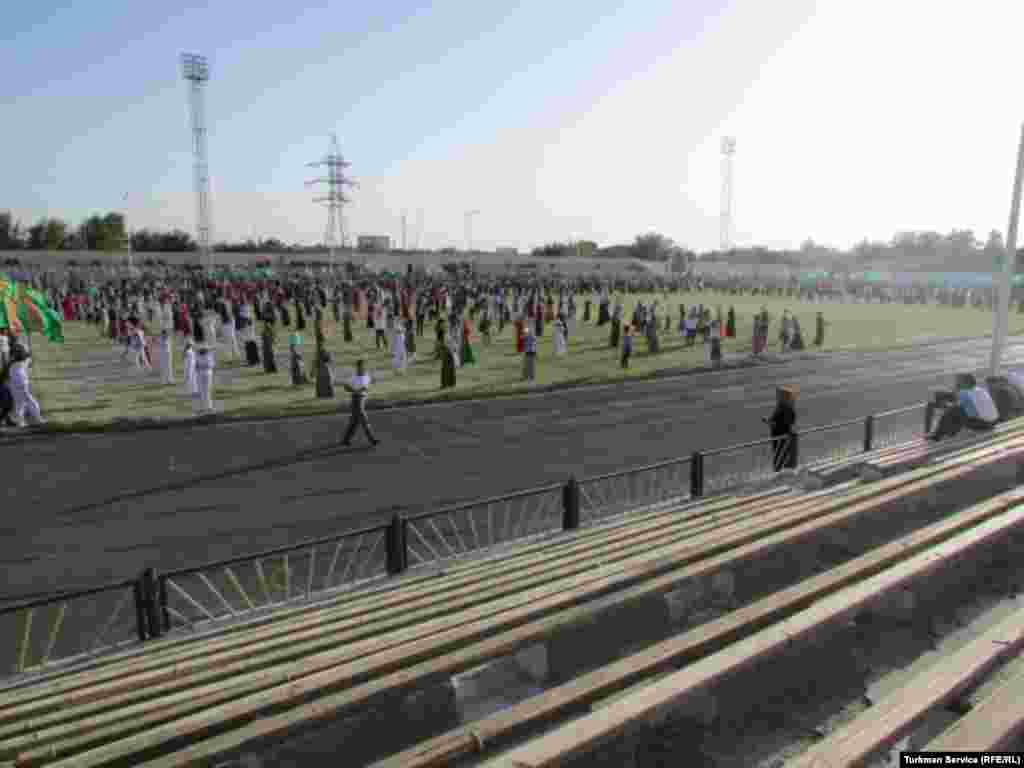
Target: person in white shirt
[560,345]
[359,386]
[231,336]
[21,389]
[399,356]
[137,344]
[189,367]
[166,358]
[204,379]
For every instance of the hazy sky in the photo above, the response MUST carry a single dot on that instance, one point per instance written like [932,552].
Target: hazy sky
[594,119]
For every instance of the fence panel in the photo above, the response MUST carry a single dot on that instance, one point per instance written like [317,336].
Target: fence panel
[68,628]
[737,465]
[819,446]
[618,492]
[899,426]
[236,588]
[479,526]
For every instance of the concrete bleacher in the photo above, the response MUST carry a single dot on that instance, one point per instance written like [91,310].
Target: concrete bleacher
[554,609]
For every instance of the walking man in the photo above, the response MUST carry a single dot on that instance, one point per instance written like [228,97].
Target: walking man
[359,388]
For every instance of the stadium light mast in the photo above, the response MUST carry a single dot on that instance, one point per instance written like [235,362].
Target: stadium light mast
[728,150]
[336,181]
[469,229]
[1004,266]
[196,71]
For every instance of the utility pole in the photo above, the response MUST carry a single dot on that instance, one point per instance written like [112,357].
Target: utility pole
[1005,266]
[403,230]
[196,71]
[728,150]
[128,233]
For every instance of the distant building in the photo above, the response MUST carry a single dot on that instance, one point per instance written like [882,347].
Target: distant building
[507,251]
[374,243]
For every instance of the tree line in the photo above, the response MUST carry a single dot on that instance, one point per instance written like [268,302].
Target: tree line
[958,251]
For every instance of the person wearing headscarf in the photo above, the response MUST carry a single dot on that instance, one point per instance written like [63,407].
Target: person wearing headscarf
[447,364]
[529,356]
[627,346]
[205,364]
[189,368]
[325,377]
[468,354]
[781,424]
[560,334]
[269,337]
[819,334]
[166,358]
[398,350]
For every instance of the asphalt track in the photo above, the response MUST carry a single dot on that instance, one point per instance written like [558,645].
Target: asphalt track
[86,509]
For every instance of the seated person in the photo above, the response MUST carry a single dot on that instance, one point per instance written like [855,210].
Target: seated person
[1016,380]
[1008,399]
[975,410]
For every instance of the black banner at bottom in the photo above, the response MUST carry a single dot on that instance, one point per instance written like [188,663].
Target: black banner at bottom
[961,758]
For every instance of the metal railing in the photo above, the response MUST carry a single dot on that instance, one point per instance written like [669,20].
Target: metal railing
[201,596]
[603,496]
[478,526]
[42,641]
[196,596]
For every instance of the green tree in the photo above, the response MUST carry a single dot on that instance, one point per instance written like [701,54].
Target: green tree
[55,235]
[652,247]
[10,232]
[37,235]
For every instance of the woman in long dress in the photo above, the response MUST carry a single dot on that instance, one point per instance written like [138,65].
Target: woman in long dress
[447,367]
[468,355]
[559,337]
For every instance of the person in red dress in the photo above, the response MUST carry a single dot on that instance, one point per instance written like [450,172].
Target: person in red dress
[520,335]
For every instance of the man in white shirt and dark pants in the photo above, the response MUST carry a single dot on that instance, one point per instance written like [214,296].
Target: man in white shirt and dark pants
[360,388]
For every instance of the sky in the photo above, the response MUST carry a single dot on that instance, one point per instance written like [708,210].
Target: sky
[564,120]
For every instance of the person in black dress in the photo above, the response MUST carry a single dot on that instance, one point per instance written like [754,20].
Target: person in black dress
[781,425]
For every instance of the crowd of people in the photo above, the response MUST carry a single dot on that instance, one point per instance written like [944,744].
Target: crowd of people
[148,314]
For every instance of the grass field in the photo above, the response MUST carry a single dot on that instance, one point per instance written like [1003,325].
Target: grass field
[84,383]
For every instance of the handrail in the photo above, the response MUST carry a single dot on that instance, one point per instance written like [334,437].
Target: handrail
[480,502]
[633,470]
[904,409]
[62,597]
[275,551]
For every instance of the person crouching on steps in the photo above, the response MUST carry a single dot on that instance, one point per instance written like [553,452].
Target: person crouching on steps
[360,388]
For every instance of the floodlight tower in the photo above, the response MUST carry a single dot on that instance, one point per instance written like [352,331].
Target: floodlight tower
[196,71]
[336,181]
[469,229]
[728,150]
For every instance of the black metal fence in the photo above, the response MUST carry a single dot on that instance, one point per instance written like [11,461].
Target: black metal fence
[200,596]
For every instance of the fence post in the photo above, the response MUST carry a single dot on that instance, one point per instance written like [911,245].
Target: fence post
[697,475]
[141,620]
[869,432]
[396,549]
[571,505]
[149,596]
[929,417]
[162,599]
